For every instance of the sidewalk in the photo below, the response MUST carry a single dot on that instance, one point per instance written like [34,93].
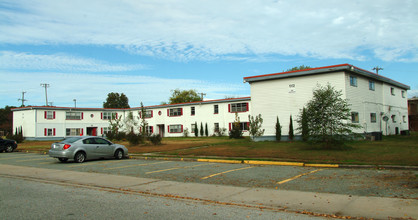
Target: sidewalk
[285,200]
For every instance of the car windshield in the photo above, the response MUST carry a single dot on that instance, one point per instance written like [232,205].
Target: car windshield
[71,139]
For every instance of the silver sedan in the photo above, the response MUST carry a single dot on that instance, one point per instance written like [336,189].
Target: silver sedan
[86,147]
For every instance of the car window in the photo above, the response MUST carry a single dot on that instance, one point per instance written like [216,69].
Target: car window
[89,141]
[71,139]
[101,141]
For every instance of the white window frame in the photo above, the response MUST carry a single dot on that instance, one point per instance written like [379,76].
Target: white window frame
[353,81]
[175,128]
[148,113]
[175,112]
[192,110]
[73,115]
[371,85]
[109,115]
[49,114]
[392,91]
[355,117]
[239,107]
[216,127]
[193,128]
[216,109]
[373,118]
[74,131]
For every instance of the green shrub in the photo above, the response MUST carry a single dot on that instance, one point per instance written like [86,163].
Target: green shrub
[155,139]
[134,139]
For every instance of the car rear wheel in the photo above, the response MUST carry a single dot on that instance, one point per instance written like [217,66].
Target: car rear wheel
[79,157]
[9,148]
[119,154]
[63,159]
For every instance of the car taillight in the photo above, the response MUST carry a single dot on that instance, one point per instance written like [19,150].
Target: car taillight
[66,146]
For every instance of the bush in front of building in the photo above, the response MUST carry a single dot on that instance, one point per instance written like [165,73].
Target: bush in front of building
[17,136]
[155,139]
[134,139]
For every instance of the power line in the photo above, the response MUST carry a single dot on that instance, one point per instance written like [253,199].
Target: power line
[201,95]
[46,93]
[23,99]
[377,68]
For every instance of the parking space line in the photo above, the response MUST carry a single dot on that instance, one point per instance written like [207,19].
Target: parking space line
[92,163]
[135,165]
[216,174]
[298,176]
[176,168]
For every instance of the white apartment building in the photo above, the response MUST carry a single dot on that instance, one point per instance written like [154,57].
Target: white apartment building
[378,104]
[46,123]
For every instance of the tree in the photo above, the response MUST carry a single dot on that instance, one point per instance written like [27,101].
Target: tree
[236,130]
[328,121]
[144,122]
[130,122]
[206,130]
[278,130]
[255,126]
[6,119]
[201,129]
[304,125]
[291,135]
[114,100]
[183,96]
[303,67]
[196,130]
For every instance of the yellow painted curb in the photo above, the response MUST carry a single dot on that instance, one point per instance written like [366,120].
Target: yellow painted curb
[219,161]
[273,163]
[322,165]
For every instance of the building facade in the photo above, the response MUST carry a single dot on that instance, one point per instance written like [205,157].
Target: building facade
[46,123]
[378,104]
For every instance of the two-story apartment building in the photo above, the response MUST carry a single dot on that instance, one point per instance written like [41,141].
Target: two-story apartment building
[377,103]
[44,122]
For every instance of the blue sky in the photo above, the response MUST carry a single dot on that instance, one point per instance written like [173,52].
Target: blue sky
[144,49]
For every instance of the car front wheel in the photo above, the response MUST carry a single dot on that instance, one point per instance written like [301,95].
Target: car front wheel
[79,157]
[119,154]
[9,148]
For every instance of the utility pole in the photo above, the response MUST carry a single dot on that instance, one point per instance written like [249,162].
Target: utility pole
[75,103]
[201,95]
[377,68]
[46,94]
[23,99]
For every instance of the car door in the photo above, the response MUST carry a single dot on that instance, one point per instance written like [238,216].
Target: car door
[103,148]
[89,146]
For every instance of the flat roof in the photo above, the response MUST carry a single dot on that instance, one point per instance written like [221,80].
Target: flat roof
[135,108]
[326,69]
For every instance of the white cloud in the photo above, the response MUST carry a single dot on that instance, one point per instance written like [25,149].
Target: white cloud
[189,30]
[91,90]
[60,62]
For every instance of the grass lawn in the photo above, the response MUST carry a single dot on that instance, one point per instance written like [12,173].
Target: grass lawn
[393,150]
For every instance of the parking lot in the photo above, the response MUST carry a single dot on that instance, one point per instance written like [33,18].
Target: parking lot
[363,182]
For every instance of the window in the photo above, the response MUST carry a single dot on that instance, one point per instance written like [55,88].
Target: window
[109,115]
[403,94]
[393,118]
[105,130]
[215,109]
[73,115]
[238,107]
[74,131]
[49,114]
[371,85]
[373,117]
[175,111]
[392,90]
[353,81]
[216,127]
[149,129]
[404,119]
[148,114]
[175,128]
[49,131]
[243,126]
[192,110]
[193,128]
[354,117]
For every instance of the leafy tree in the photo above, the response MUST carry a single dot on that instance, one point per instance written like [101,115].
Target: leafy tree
[206,130]
[182,96]
[291,135]
[186,133]
[114,100]
[303,67]
[278,130]
[328,121]
[130,122]
[196,130]
[144,122]
[255,126]
[236,130]
[303,125]
[6,119]
[201,129]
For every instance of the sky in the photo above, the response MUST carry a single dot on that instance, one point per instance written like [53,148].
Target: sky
[85,49]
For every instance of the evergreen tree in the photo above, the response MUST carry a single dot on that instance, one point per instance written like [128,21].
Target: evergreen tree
[304,125]
[291,135]
[196,130]
[278,130]
[201,129]
[206,129]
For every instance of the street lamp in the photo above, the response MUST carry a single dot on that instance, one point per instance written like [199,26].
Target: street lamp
[75,103]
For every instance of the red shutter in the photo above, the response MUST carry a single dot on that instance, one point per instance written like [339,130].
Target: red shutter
[101,115]
[116,115]
[248,125]
[168,112]
[54,115]
[248,106]
[229,107]
[230,126]
[101,130]
[82,115]
[46,131]
[181,128]
[54,132]
[181,112]
[168,128]
[140,114]
[82,132]
[45,114]
[151,113]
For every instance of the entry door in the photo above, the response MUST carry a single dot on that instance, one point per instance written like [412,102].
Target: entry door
[103,148]
[94,132]
[161,130]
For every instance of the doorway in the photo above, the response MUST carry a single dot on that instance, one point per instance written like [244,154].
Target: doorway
[92,131]
[161,130]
